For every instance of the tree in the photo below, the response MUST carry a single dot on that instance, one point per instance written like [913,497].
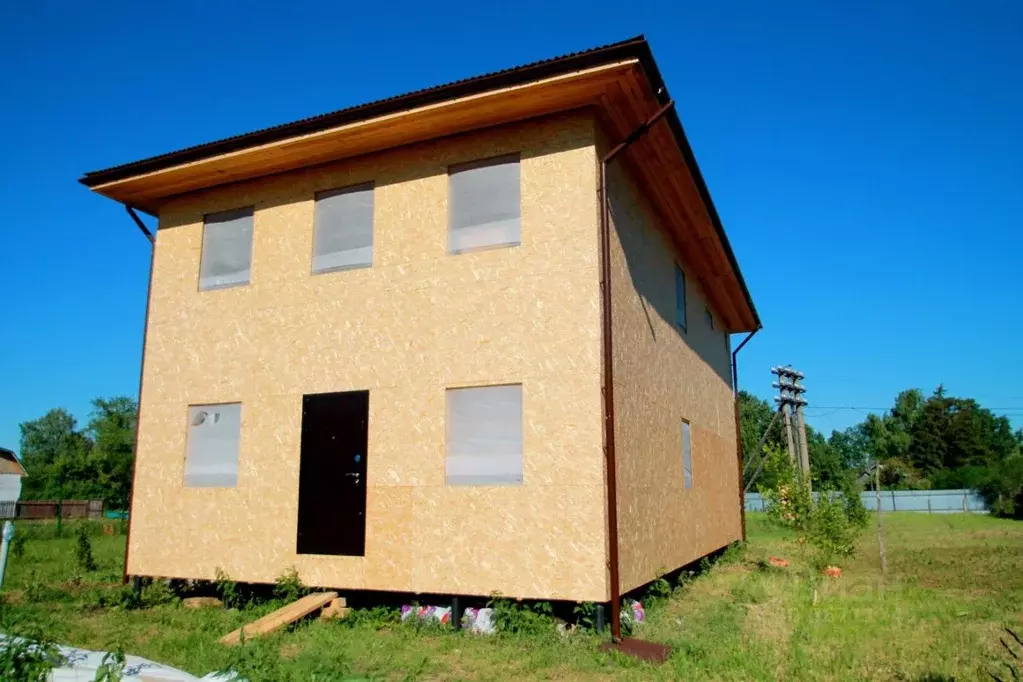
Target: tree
[112,430]
[853,447]
[54,454]
[754,417]
[826,462]
[64,462]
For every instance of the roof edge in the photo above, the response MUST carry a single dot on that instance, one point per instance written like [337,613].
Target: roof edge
[653,74]
[633,47]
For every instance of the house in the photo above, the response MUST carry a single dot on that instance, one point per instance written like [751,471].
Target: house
[375,343]
[11,473]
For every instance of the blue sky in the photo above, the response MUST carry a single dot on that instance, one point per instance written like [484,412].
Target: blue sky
[867,161]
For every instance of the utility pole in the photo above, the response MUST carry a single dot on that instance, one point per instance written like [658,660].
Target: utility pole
[783,400]
[790,395]
[880,528]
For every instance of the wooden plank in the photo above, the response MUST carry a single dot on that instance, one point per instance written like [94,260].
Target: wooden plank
[281,617]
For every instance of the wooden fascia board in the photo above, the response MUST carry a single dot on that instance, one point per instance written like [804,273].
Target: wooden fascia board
[504,105]
[661,163]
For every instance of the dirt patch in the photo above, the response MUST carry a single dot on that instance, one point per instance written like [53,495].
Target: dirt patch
[290,651]
[13,597]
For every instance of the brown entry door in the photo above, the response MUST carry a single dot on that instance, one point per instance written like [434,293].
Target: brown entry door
[332,474]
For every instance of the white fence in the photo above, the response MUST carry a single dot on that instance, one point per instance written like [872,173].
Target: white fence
[933,501]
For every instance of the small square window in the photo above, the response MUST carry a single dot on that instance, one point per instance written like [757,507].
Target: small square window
[343,229]
[709,316]
[484,435]
[687,457]
[484,208]
[680,297]
[211,457]
[226,249]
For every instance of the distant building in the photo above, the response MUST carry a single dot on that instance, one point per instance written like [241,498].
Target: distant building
[11,473]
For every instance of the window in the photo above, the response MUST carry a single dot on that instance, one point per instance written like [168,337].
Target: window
[343,229]
[484,435]
[680,297]
[687,456]
[226,249]
[484,204]
[709,317]
[211,456]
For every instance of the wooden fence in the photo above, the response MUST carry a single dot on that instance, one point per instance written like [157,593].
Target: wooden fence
[50,509]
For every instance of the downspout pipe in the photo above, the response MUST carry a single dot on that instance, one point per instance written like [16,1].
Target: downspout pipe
[738,429]
[145,330]
[142,225]
[609,424]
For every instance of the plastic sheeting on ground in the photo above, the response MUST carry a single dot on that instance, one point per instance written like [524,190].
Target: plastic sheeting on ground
[80,665]
[479,620]
[441,614]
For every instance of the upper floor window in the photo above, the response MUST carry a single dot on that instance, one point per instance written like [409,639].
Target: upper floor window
[343,229]
[226,249]
[680,297]
[484,204]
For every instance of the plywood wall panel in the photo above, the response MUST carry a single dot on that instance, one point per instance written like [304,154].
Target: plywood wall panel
[662,375]
[416,322]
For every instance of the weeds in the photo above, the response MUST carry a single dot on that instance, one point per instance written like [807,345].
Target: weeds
[289,586]
[18,545]
[228,591]
[1014,648]
[158,593]
[658,591]
[513,617]
[586,615]
[112,667]
[39,590]
[27,658]
[376,618]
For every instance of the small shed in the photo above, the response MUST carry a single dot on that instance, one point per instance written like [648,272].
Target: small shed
[11,473]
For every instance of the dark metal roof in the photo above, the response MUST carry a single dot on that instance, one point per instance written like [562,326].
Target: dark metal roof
[634,48]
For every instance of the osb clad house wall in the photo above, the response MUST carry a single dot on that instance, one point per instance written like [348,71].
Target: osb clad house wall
[261,371]
[666,374]
[419,321]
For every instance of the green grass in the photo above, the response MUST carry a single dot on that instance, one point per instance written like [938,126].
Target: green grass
[954,582]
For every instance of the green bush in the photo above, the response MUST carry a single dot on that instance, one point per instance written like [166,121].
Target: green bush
[158,593]
[289,587]
[827,526]
[512,617]
[83,550]
[1003,489]
[18,545]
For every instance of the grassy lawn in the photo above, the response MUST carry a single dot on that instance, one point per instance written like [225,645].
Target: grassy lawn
[954,582]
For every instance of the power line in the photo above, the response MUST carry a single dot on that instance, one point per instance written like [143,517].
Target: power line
[1018,408]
